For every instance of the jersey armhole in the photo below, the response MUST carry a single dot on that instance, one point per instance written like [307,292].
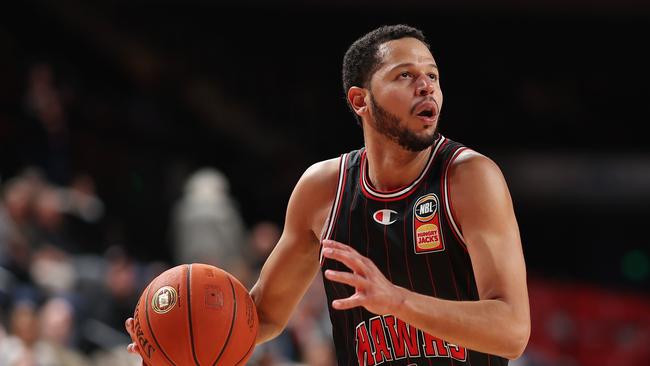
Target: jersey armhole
[336,204]
[449,207]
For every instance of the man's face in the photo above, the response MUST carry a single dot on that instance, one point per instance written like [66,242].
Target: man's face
[405,97]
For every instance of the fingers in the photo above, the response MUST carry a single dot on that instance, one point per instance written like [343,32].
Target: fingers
[335,244]
[131,348]
[348,303]
[128,324]
[347,278]
[344,254]
[362,273]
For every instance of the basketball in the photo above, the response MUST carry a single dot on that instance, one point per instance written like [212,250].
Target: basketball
[195,314]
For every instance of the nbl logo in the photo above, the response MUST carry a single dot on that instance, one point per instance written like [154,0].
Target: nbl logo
[426,209]
[427,237]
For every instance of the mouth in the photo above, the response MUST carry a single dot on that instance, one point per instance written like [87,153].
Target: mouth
[426,111]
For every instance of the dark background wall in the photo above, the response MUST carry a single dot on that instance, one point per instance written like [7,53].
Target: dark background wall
[556,94]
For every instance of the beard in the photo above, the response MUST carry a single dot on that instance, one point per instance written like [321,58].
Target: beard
[390,126]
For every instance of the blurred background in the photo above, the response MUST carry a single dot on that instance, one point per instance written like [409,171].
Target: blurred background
[137,135]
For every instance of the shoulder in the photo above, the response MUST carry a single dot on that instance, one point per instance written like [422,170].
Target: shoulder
[319,180]
[322,173]
[480,198]
[476,179]
[318,183]
[313,195]
[470,164]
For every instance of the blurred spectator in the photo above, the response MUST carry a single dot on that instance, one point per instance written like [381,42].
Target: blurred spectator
[50,221]
[57,319]
[116,356]
[17,229]
[115,298]
[14,214]
[84,213]
[57,328]
[263,238]
[18,346]
[319,352]
[27,346]
[81,201]
[310,326]
[207,225]
[48,142]
[52,271]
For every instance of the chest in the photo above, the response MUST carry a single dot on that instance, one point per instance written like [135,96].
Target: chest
[410,225]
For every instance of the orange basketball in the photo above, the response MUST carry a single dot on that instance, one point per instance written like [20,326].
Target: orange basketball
[195,314]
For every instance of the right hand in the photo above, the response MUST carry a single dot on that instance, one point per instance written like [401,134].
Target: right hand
[132,347]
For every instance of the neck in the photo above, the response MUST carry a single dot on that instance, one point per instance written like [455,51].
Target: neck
[390,166]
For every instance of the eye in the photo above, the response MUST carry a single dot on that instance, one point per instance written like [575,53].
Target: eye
[405,75]
[433,76]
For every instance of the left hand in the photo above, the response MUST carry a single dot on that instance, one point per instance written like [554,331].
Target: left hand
[373,290]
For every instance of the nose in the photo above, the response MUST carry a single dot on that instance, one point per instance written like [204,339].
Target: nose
[424,86]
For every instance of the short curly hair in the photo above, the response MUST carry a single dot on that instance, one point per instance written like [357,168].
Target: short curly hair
[362,59]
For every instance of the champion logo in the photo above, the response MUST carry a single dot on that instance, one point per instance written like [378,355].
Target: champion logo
[385,216]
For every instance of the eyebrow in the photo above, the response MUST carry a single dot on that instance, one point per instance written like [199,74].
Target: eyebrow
[405,64]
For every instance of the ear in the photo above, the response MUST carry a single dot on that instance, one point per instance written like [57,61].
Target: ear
[357,99]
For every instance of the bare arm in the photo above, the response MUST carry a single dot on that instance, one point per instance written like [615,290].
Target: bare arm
[499,323]
[294,262]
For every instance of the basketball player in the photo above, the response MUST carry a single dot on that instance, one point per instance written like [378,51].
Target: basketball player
[414,233]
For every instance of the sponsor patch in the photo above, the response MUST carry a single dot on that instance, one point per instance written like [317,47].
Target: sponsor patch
[427,237]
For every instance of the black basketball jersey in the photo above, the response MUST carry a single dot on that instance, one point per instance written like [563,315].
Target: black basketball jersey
[411,236]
